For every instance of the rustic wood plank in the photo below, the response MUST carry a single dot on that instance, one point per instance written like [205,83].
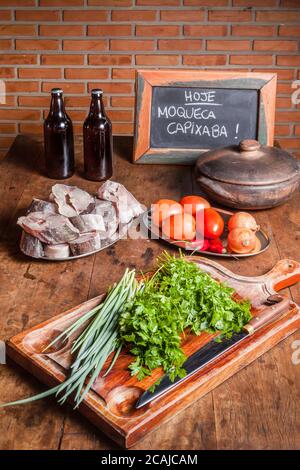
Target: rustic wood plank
[16,171]
[257,408]
[237,425]
[285,221]
[31,291]
[147,185]
[197,434]
[184,432]
[116,416]
[33,281]
[33,427]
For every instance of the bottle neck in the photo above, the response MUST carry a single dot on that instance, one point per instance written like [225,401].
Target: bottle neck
[57,107]
[97,107]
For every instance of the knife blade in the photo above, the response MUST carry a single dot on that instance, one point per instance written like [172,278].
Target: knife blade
[277,305]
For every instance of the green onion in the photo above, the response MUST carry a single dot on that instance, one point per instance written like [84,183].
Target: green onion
[94,344]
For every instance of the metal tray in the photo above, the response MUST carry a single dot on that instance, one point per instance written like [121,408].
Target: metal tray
[191,246]
[69,258]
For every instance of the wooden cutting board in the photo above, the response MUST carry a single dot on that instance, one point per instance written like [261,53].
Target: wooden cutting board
[110,405]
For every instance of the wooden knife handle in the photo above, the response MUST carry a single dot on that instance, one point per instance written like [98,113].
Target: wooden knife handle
[268,314]
[284,274]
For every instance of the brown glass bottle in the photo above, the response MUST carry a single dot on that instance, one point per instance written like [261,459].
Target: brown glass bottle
[97,141]
[58,139]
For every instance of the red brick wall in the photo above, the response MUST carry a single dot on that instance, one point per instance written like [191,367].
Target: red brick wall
[80,44]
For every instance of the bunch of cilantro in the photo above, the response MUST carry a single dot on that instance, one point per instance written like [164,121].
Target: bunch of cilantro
[179,296]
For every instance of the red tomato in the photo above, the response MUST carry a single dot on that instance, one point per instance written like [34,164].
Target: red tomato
[193,204]
[179,227]
[164,208]
[213,224]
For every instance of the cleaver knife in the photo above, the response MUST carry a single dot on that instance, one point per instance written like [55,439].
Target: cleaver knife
[276,305]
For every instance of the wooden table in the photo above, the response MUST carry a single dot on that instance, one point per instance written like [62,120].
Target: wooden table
[258,408]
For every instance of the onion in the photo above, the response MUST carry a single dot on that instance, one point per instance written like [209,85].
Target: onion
[241,240]
[257,247]
[242,220]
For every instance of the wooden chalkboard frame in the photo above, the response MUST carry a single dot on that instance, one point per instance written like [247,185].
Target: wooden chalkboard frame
[264,83]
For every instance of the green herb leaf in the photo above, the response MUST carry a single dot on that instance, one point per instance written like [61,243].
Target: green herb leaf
[178,296]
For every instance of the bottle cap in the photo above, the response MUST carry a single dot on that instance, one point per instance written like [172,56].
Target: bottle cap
[97,91]
[56,91]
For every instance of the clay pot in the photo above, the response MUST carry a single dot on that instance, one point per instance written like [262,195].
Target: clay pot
[248,175]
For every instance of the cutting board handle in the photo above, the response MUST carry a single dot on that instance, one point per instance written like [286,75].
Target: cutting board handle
[284,274]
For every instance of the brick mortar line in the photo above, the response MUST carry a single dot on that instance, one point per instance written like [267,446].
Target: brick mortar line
[116,66]
[134,37]
[138,51]
[158,53]
[157,10]
[110,108]
[279,95]
[121,66]
[107,40]
[147,7]
[104,80]
[146,23]
[81,108]
[43,94]
[45,22]
[62,22]
[232,67]
[41,119]
[277,136]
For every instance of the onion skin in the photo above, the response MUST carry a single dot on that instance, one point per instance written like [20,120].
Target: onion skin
[242,220]
[257,247]
[241,240]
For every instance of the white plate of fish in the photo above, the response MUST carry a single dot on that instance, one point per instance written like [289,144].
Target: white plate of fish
[72,223]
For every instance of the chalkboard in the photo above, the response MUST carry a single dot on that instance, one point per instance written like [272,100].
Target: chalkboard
[202,117]
[180,114]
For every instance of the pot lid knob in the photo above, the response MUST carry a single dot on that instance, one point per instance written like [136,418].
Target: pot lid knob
[249,145]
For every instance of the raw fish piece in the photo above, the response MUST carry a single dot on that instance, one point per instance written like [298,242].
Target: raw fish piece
[31,246]
[85,243]
[90,208]
[48,228]
[88,222]
[104,208]
[57,251]
[71,200]
[109,240]
[38,205]
[126,204]
[109,214]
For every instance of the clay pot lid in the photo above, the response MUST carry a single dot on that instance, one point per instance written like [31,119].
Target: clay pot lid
[248,163]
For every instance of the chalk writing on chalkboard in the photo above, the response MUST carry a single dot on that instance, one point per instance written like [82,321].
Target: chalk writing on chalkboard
[202,117]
